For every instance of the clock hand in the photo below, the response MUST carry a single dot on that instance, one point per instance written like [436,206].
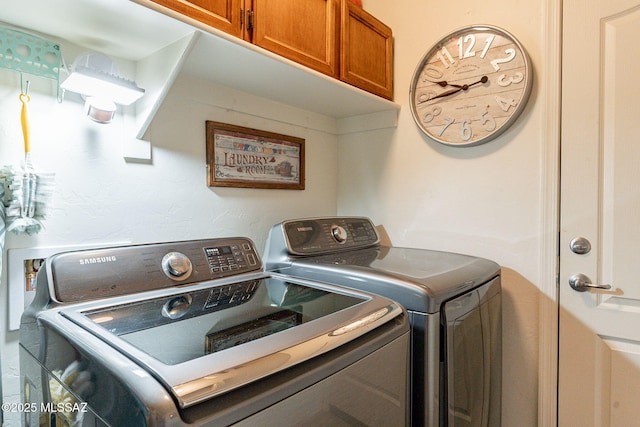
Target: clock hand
[483,79]
[444,83]
[443,94]
[459,88]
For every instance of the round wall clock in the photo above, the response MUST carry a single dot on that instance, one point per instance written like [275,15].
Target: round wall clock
[470,86]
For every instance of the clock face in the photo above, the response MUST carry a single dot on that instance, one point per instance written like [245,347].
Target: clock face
[470,86]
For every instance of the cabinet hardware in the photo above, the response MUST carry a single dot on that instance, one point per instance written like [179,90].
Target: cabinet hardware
[249,20]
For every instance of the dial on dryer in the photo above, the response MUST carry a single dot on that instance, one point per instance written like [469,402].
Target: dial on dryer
[176,266]
[339,233]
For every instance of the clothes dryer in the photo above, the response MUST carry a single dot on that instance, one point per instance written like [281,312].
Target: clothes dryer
[453,301]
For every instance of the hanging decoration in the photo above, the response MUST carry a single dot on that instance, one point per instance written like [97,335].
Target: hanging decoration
[26,193]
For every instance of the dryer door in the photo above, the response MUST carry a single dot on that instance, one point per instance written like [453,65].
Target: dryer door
[472,356]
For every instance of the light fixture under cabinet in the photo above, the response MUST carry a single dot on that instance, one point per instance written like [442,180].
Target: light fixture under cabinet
[96,77]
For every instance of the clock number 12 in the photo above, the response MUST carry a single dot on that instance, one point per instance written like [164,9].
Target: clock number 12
[470,39]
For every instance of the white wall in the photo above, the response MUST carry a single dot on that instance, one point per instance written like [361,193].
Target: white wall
[489,201]
[101,198]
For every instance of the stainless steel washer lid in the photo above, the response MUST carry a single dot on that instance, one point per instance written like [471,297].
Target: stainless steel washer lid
[419,279]
[199,349]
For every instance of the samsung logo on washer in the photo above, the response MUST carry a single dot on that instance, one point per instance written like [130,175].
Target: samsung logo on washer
[97,260]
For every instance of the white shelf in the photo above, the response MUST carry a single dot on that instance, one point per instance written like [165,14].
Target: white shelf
[245,67]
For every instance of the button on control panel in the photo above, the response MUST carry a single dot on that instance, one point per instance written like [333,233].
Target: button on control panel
[236,257]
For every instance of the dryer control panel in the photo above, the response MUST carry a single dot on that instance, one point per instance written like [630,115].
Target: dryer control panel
[326,235]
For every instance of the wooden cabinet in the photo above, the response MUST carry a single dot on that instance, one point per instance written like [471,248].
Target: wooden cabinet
[225,15]
[334,37]
[303,31]
[366,51]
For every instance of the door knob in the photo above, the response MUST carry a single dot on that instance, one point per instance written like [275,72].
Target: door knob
[581,283]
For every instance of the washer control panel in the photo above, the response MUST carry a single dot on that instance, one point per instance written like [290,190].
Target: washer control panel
[332,234]
[106,272]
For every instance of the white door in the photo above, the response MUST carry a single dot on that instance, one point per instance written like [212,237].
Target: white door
[599,367]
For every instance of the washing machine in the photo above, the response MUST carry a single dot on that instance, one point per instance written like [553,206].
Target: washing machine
[453,301]
[196,333]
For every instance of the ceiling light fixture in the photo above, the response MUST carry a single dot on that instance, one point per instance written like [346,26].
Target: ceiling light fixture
[96,77]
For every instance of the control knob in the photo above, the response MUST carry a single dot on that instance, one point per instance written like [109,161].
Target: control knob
[176,266]
[339,233]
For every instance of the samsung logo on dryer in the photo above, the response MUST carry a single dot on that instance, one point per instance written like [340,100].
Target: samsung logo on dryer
[98,260]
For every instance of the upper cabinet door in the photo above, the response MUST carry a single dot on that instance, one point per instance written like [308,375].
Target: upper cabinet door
[366,51]
[303,31]
[224,15]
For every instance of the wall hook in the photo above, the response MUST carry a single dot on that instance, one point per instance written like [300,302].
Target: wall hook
[24,86]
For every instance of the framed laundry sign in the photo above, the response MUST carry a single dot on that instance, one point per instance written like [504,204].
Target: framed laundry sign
[251,158]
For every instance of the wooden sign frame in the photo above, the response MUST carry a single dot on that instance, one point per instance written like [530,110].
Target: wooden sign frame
[251,158]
